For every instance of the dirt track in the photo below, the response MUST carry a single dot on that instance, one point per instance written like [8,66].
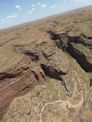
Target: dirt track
[67,103]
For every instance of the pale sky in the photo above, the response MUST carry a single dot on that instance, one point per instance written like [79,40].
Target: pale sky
[13,12]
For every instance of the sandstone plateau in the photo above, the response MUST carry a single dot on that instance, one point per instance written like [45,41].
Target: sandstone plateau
[46,69]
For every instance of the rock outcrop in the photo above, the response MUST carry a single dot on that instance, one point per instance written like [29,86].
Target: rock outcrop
[76,47]
[17,79]
[83,55]
[53,60]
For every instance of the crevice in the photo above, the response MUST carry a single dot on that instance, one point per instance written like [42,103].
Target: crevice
[54,74]
[91,82]
[51,72]
[36,76]
[7,75]
[79,40]
[33,56]
[54,36]
[80,57]
[64,38]
[65,42]
[13,74]
[22,49]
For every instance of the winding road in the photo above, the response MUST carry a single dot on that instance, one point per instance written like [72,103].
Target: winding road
[67,103]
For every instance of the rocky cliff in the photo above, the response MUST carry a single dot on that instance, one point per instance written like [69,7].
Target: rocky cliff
[46,70]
